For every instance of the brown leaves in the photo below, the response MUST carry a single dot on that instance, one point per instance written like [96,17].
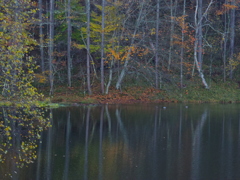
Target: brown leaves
[129,96]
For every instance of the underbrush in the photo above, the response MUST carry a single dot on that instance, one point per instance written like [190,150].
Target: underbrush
[132,92]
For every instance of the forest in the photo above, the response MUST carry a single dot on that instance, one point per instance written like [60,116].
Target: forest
[169,48]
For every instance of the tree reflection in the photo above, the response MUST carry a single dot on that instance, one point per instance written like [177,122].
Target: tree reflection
[196,146]
[100,168]
[20,130]
[49,152]
[127,142]
[67,156]
[86,144]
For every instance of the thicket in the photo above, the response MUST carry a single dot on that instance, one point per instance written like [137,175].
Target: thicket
[121,43]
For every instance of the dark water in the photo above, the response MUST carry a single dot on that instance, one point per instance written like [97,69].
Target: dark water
[137,142]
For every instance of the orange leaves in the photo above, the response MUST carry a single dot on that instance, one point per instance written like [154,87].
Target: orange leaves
[116,54]
[187,43]
[122,55]
[189,66]
[189,38]
[225,8]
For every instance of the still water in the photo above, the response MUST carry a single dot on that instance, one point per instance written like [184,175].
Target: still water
[136,142]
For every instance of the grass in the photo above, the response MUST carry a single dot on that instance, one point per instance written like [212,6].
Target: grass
[220,93]
[194,92]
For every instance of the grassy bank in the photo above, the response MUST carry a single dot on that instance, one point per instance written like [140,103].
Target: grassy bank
[227,92]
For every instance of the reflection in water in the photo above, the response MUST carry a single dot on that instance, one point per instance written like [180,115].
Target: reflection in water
[196,146]
[140,142]
[86,145]
[179,147]
[222,145]
[39,157]
[49,153]
[121,127]
[100,154]
[67,152]
[20,129]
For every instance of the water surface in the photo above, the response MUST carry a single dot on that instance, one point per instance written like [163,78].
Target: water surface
[139,142]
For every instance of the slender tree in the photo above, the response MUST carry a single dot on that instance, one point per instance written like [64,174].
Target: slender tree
[69,33]
[125,66]
[173,6]
[156,47]
[232,35]
[102,46]
[182,44]
[88,47]
[225,39]
[51,36]
[41,35]
[198,49]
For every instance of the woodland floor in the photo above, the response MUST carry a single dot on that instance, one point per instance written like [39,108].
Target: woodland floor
[218,93]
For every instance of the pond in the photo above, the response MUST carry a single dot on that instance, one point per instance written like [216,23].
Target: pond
[121,142]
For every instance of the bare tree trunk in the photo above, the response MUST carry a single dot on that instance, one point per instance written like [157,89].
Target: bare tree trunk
[232,36]
[88,47]
[199,68]
[156,48]
[51,36]
[102,46]
[225,38]
[123,72]
[198,39]
[41,35]
[172,14]
[199,35]
[182,46]
[110,76]
[69,34]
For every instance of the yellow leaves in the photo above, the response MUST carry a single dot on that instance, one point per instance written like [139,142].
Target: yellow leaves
[78,46]
[152,31]
[16,42]
[96,27]
[234,62]
[41,78]
[181,21]
[8,128]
